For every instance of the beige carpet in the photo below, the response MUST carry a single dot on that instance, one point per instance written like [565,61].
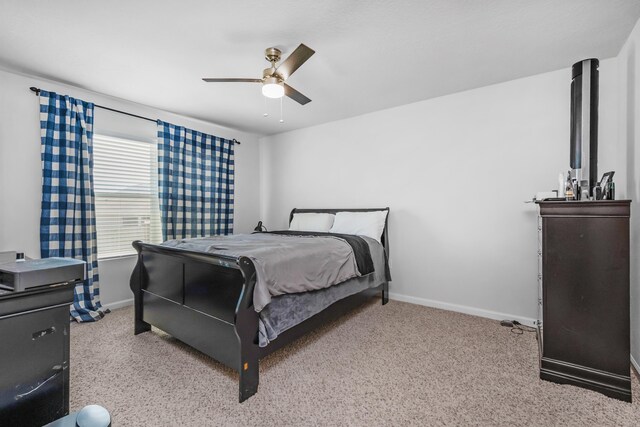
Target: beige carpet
[399,364]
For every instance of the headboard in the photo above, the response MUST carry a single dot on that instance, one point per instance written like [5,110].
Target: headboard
[384,239]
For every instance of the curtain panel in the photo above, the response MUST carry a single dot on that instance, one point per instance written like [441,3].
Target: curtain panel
[67,220]
[196,182]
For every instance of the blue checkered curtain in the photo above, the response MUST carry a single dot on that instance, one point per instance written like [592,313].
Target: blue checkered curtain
[195,172]
[67,220]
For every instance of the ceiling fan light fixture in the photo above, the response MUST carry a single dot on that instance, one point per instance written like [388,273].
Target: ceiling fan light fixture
[272,88]
[274,77]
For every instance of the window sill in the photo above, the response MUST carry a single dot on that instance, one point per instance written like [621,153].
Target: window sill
[115,257]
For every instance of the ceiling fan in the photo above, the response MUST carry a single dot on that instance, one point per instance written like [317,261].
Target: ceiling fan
[274,78]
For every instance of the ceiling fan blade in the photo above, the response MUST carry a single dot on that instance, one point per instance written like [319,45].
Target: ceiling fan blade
[295,95]
[294,61]
[232,80]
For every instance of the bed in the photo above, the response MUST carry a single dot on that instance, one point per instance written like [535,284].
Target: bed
[207,301]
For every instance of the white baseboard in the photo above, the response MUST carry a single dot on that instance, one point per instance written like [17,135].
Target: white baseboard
[635,364]
[118,304]
[463,309]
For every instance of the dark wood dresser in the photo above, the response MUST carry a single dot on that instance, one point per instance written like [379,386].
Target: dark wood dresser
[584,263]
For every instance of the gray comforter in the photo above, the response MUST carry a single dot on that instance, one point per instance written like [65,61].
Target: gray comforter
[284,264]
[287,311]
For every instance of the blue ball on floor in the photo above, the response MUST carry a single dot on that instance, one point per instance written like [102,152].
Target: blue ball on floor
[89,416]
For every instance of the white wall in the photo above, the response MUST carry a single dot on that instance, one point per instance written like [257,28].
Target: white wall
[20,169]
[455,172]
[629,143]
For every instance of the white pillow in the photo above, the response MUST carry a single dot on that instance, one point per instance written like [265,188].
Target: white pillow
[370,224]
[319,222]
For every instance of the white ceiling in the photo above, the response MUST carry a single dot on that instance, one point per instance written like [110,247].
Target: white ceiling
[370,55]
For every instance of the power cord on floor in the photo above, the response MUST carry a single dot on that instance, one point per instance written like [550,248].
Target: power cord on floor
[517,328]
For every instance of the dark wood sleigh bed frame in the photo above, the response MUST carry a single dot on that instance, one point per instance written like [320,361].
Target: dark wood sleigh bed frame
[206,301]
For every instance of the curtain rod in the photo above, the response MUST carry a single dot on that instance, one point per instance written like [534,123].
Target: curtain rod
[37,92]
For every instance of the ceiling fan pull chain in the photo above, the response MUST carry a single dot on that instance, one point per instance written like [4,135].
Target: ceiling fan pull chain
[281,118]
[265,107]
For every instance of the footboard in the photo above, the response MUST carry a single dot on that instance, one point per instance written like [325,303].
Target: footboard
[195,297]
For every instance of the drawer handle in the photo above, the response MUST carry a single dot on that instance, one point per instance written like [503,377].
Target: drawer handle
[43,332]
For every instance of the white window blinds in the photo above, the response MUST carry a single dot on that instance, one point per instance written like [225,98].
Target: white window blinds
[125,174]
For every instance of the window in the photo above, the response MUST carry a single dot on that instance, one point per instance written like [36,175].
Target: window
[125,174]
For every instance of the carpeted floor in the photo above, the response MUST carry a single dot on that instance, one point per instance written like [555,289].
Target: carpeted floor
[400,364]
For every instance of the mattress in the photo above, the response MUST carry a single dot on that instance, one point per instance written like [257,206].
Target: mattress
[287,264]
